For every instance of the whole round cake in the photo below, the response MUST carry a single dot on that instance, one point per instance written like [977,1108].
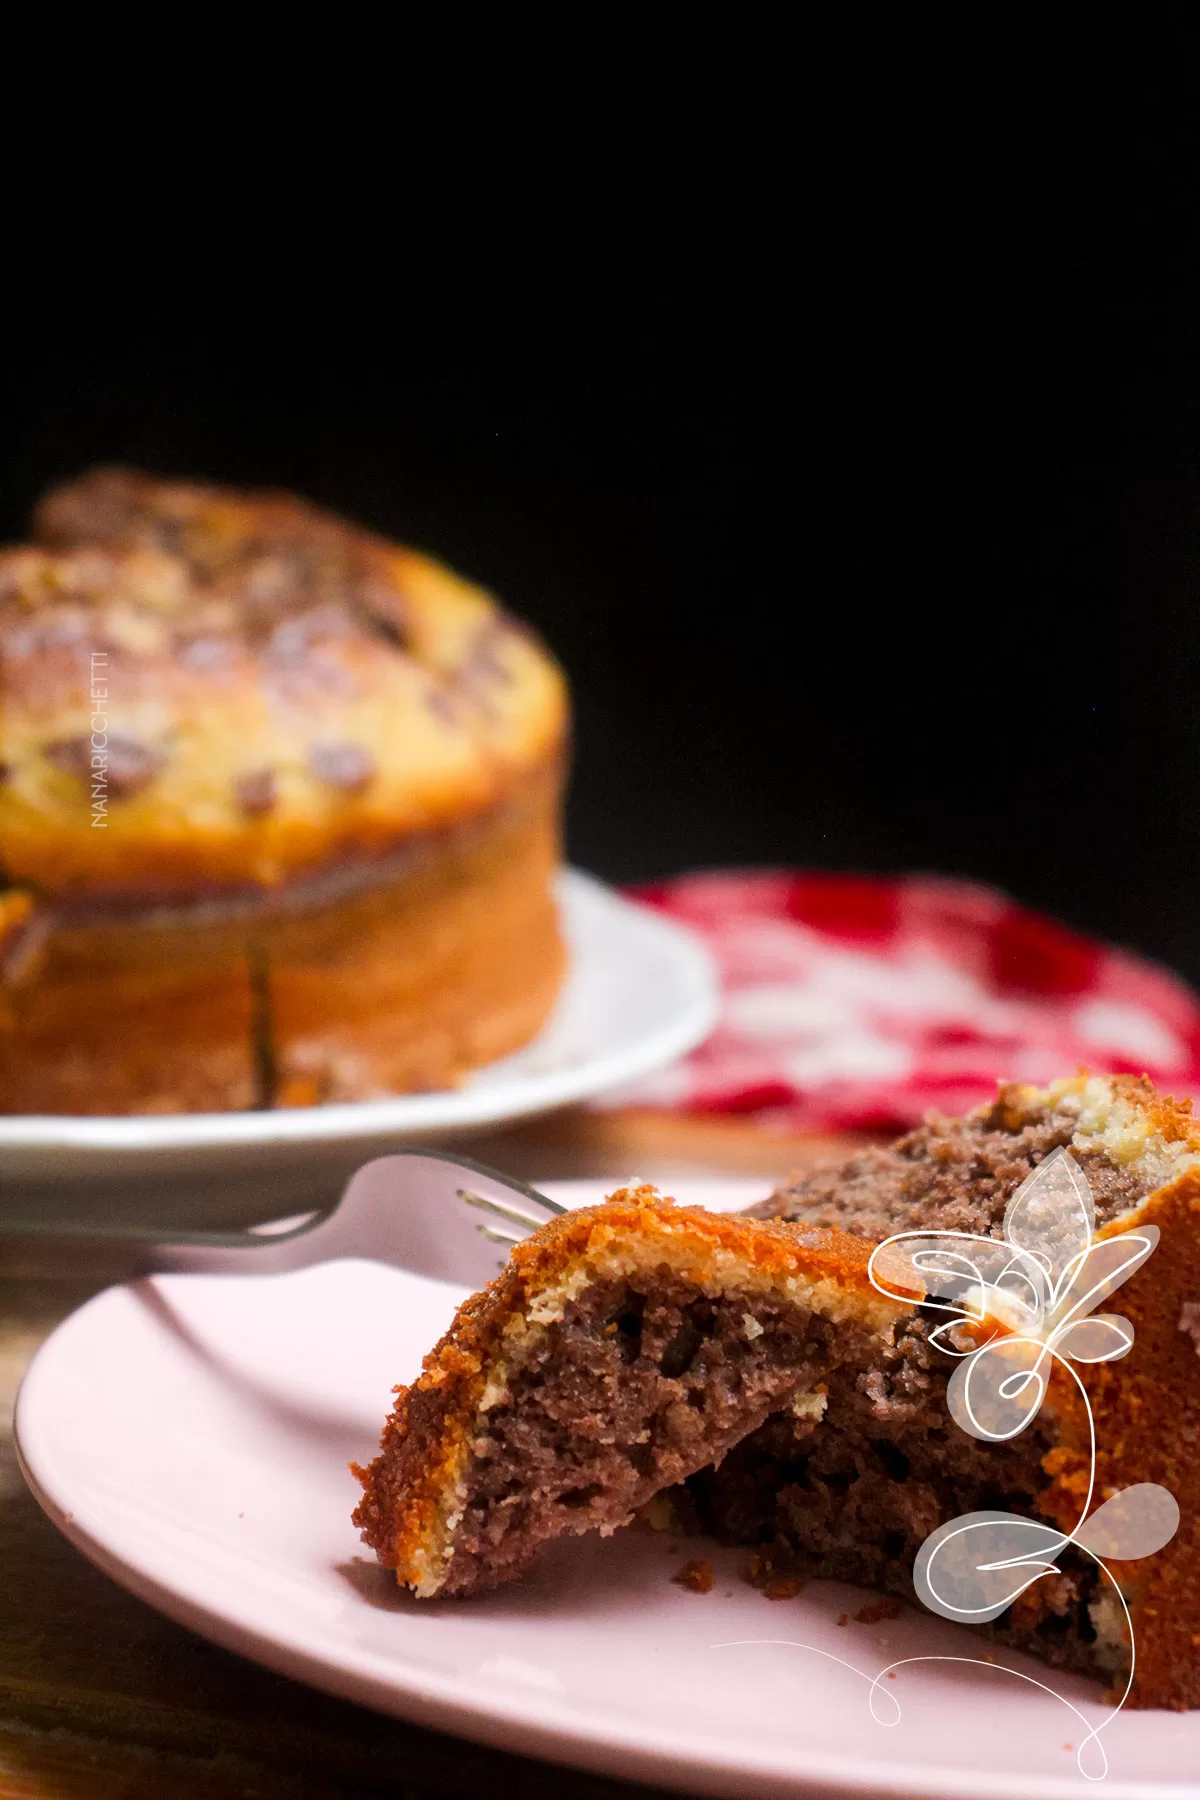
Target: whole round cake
[279,809]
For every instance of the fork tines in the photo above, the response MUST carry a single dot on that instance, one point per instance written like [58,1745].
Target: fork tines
[528,1221]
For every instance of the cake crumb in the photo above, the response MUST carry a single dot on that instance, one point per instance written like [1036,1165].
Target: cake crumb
[877,1611]
[658,1514]
[774,1583]
[783,1587]
[696,1575]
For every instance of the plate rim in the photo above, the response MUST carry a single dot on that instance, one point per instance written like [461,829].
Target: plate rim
[121,1135]
[520,1725]
[538,1725]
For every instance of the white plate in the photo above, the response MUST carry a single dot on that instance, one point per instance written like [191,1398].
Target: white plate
[639,991]
[191,1436]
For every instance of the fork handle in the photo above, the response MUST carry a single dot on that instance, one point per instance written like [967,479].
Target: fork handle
[119,1252]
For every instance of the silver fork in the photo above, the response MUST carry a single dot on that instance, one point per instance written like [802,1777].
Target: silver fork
[437,1215]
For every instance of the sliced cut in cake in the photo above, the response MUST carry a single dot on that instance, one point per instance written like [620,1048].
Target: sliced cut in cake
[747,1366]
[621,1349]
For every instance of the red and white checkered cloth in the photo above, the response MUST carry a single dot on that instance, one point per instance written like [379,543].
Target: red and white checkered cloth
[852,1003]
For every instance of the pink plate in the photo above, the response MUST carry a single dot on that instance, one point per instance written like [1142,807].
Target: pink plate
[191,1435]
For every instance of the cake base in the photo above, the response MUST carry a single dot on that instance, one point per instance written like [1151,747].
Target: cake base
[398,976]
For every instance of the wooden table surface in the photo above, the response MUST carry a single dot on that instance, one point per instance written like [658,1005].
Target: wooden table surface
[102,1697]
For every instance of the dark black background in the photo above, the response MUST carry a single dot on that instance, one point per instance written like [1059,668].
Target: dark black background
[824,388]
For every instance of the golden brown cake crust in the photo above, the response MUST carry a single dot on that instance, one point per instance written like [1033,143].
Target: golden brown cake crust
[1147,1416]
[277,691]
